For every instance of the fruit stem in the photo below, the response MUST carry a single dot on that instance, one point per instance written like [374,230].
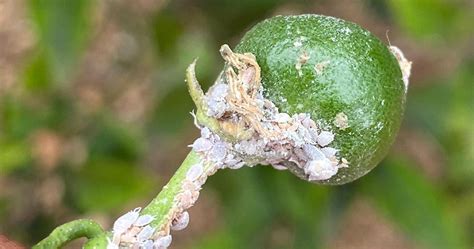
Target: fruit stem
[165,208]
[71,231]
[166,204]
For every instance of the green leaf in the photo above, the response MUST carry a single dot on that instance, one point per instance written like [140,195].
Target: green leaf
[413,204]
[62,27]
[37,74]
[261,200]
[218,240]
[172,115]
[13,156]
[107,184]
[431,19]
[112,138]
[458,138]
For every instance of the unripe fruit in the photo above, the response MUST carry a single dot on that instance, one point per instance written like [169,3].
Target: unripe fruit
[341,74]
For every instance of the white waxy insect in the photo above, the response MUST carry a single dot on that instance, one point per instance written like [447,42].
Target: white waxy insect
[145,233]
[216,103]
[218,152]
[111,245]
[144,220]
[130,235]
[187,198]
[279,167]
[250,148]
[282,118]
[305,134]
[205,132]
[230,161]
[313,152]
[329,151]
[194,172]
[269,105]
[308,123]
[320,170]
[299,153]
[163,242]
[216,108]
[237,165]
[202,144]
[218,91]
[180,222]
[147,244]
[124,222]
[325,138]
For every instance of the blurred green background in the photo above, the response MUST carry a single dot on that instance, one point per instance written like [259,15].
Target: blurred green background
[94,119]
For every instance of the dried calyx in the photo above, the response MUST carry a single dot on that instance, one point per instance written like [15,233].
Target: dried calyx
[405,65]
[239,126]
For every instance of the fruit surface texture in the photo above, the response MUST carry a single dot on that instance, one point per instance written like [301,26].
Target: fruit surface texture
[341,74]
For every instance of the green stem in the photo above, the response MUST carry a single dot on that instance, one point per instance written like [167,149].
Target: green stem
[70,231]
[162,206]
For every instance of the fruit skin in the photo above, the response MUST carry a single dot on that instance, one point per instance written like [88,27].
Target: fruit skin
[357,75]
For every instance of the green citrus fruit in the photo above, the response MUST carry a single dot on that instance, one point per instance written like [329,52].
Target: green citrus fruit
[332,69]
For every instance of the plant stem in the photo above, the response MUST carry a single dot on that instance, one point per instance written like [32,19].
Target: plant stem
[163,206]
[70,231]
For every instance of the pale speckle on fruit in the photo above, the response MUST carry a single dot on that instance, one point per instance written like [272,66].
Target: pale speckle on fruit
[299,41]
[302,59]
[346,31]
[344,164]
[379,126]
[320,66]
[341,121]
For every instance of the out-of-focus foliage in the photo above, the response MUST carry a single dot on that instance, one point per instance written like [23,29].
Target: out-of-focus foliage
[94,118]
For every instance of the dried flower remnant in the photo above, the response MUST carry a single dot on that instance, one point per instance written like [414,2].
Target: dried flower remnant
[405,65]
[341,121]
[272,138]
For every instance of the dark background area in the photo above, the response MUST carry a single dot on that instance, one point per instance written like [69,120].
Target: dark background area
[94,119]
